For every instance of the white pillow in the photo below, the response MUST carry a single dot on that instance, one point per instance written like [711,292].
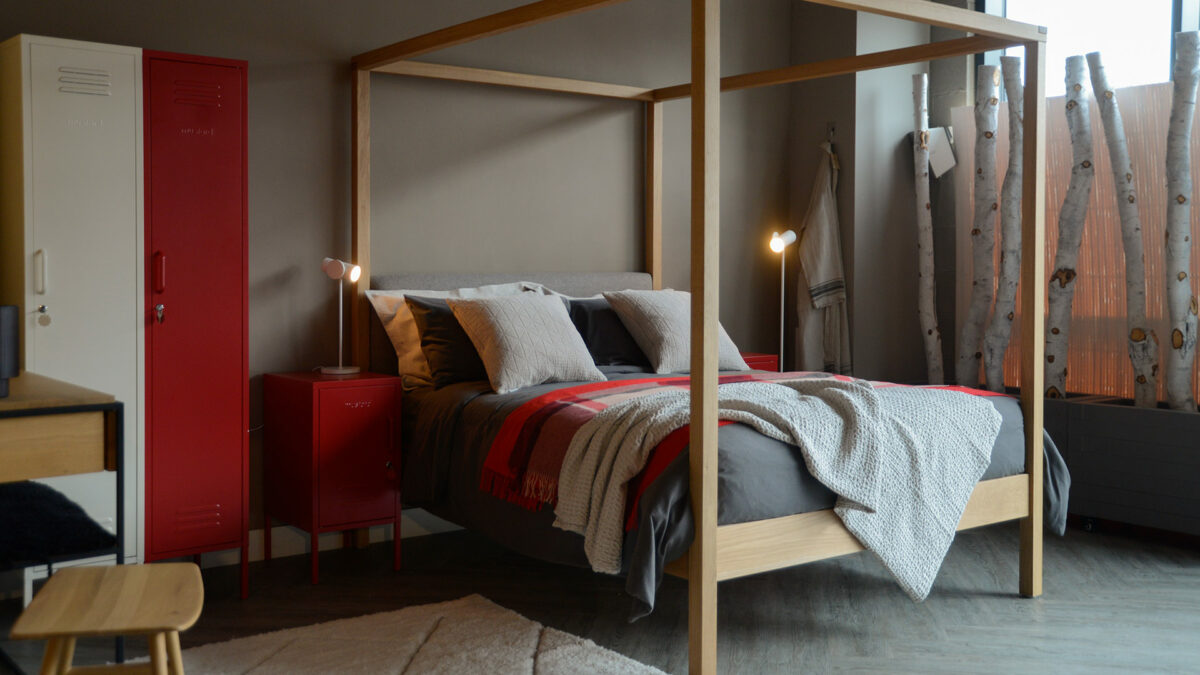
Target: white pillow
[401,328]
[661,323]
[525,340]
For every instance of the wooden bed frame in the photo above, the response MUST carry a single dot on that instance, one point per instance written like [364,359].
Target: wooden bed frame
[730,551]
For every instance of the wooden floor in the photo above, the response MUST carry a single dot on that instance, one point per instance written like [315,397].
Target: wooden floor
[1113,602]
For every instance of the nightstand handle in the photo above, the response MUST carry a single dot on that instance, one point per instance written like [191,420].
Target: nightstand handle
[387,464]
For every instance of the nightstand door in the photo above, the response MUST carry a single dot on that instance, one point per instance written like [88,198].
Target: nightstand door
[355,454]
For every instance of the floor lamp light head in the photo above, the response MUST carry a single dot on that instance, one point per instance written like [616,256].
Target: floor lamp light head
[340,270]
[782,241]
[778,243]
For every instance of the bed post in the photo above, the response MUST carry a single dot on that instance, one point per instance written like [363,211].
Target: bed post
[654,164]
[706,129]
[360,226]
[1033,302]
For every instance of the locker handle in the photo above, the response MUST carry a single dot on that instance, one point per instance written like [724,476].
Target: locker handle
[40,263]
[160,272]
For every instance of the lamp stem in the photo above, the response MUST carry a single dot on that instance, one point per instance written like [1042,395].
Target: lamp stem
[341,321]
[782,308]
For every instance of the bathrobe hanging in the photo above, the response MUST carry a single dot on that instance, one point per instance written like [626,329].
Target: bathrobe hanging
[822,324]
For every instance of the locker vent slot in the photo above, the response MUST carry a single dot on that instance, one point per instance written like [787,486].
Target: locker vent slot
[196,92]
[198,518]
[80,80]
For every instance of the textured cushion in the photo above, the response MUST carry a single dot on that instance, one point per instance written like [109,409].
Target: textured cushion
[525,340]
[660,322]
[447,349]
[402,328]
[38,522]
[606,337]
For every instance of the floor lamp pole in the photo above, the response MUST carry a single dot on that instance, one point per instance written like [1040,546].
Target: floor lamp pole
[782,306]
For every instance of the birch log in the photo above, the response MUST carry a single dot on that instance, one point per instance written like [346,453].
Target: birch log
[999,331]
[926,294]
[1143,343]
[1181,301]
[983,235]
[1070,230]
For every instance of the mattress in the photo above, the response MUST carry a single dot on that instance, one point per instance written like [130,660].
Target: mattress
[447,433]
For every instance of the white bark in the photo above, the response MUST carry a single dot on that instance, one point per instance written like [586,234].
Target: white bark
[926,297]
[1143,343]
[999,331]
[1070,230]
[983,235]
[1181,301]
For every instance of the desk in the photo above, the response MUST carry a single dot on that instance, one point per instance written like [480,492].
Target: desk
[52,428]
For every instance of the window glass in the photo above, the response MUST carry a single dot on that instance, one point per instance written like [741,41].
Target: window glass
[1135,45]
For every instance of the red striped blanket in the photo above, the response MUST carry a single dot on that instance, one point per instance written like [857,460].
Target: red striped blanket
[526,456]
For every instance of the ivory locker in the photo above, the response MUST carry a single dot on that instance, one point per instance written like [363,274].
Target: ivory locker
[71,234]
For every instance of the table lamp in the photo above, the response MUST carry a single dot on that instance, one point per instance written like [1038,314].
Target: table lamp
[779,242]
[340,270]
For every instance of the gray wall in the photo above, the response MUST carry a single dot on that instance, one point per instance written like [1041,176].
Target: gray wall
[467,177]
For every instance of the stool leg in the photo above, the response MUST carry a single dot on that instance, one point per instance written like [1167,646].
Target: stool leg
[66,653]
[158,653]
[266,536]
[174,655]
[50,658]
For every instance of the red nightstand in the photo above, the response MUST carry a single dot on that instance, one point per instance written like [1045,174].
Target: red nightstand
[331,454]
[761,361]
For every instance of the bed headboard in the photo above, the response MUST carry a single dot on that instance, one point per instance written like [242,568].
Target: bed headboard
[383,356]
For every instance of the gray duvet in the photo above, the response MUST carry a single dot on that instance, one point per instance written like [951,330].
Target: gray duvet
[447,433]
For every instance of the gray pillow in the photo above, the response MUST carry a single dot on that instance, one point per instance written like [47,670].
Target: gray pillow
[661,323]
[525,340]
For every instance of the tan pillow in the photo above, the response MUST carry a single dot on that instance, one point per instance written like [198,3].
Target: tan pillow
[525,340]
[661,324]
[401,328]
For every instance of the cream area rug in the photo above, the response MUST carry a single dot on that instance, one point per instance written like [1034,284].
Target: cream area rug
[469,635]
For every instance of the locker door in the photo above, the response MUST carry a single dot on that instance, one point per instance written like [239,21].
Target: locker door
[195,272]
[85,240]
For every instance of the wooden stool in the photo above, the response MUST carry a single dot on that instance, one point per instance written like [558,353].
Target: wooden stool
[154,600]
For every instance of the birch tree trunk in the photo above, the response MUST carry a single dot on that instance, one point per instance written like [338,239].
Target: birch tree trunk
[1070,230]
[983,235]
[926,294]
[1181,301]
[999,331]
[1143,343]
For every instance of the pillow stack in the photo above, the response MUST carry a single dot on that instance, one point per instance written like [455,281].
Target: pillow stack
[520,334]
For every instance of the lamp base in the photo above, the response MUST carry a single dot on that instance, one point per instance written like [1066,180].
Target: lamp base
[340,370]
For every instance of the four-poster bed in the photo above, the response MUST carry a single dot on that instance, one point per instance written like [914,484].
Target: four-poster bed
[729,551]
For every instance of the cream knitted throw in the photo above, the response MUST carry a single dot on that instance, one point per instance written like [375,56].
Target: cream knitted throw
[903,460]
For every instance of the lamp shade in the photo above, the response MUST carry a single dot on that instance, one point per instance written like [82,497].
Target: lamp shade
[339,269]
[782,241]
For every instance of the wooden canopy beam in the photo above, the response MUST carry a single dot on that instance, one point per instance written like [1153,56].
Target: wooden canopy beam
[934,14]
[847,65]
[439,71]
[492,24]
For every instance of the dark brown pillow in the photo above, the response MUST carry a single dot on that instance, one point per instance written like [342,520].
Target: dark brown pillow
[451,355]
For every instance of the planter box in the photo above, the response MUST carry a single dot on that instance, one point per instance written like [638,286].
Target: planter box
[1132,465]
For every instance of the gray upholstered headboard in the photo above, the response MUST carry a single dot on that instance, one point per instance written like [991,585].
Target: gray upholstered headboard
[383,356]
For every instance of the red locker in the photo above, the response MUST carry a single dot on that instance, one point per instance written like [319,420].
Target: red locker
[196,306]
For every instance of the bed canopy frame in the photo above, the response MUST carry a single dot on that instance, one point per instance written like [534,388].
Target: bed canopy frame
[725,552]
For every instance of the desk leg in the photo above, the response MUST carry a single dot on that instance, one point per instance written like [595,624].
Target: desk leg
[316,558]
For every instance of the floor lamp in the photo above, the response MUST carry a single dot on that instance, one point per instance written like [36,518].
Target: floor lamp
[779,242]
[340,270]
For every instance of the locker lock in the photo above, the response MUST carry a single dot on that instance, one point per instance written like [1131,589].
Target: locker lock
[159,310]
